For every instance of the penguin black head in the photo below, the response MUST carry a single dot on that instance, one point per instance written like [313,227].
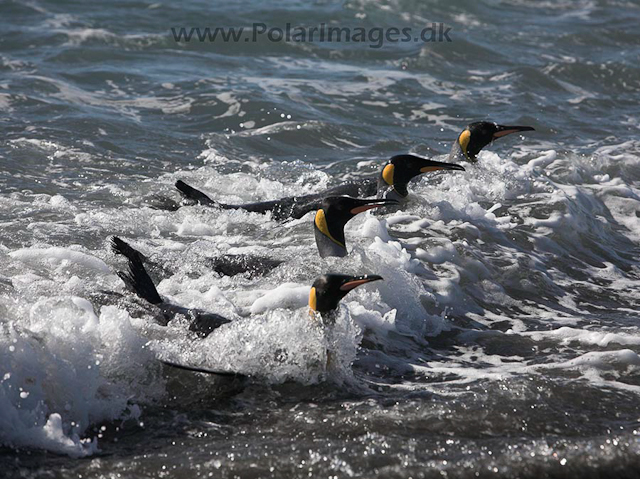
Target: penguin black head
[478,135]
[329,289]
[334,213]
[402,168]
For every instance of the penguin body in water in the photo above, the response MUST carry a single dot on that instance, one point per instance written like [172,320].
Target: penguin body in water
[294,207]
[138,280]
[405,168]
[331,217]
[390,181]
[324,297]
[326,291]
[251,265]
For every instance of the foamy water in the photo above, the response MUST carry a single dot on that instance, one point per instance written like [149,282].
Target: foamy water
[501,244]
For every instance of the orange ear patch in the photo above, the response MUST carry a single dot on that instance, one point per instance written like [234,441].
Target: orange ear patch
[463,140]
[313,300]
[387,174]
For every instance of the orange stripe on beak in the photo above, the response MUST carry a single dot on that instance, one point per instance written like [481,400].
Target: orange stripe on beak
[502,133]
[355,283]
[427,169]
[360,209]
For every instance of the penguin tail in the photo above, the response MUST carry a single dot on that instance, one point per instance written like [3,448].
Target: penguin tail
[137,278]
[190,193]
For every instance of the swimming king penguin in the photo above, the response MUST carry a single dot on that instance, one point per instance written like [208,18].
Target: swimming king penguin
[329,289]
[326,292]
[401,169]
[479,134]
[333,215]
[392,180]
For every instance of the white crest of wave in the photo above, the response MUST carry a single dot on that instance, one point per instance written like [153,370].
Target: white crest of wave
[65,369]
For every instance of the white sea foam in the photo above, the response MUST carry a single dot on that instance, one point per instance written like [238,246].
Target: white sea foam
[64,369]
[567,335]
[60,258]
[509,242]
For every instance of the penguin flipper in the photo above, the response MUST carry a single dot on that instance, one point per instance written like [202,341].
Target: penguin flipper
[190,193]
[204,324]
[137,277]
[202,370]
[119,246]
[231,265]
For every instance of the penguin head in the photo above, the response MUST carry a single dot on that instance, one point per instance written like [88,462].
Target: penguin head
[328,289]
[334,213]
[403,168]
[479,134]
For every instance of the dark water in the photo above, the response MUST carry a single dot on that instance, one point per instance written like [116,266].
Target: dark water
[504,340]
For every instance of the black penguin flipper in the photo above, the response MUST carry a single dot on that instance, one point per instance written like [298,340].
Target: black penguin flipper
[190,193]
[126,280]
[203,324]
[137,278]
[139,281]
[231,265]
[119,246]
[203,370]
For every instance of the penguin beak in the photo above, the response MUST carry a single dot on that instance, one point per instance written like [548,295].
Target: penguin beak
[359,281]
[507,130]
[370,204]
[438,165]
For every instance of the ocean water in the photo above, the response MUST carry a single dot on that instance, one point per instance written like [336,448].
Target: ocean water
[504,341]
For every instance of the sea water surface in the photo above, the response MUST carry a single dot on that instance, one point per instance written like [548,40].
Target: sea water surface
[505,338]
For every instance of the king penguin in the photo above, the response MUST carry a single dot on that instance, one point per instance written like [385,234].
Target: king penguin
[477,135]
[334,213]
